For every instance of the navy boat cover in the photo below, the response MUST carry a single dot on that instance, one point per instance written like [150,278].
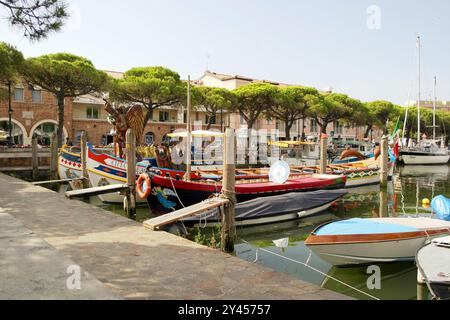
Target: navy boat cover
[276,205]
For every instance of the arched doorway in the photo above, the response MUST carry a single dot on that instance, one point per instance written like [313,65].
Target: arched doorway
[149,138]
[44,130]
[18,133]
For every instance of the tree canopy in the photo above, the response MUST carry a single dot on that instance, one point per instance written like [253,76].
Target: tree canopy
[253,99]
[378,114]
[10,61]
[152,87]
[37,18]
[214,101]
[327,108]
[291,104]
[64,75]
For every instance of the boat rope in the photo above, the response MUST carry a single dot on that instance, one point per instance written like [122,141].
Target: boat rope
[176,193]
[312,268]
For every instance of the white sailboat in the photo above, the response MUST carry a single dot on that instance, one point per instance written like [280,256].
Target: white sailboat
[426,151]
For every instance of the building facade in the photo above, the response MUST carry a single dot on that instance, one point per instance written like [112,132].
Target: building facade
[35,115]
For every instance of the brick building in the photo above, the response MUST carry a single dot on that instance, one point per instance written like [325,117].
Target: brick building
[35,115]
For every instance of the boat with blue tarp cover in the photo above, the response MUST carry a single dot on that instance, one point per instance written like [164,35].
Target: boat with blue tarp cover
[286,207]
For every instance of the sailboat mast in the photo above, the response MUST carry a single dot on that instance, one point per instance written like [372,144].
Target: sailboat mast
[419,87]
[434,108]
[187,176]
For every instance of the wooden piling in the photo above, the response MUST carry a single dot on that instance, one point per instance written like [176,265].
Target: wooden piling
[84,160]
[384,162]
[130,200]
[383,204]
[323,154]
[54,157]
[35,159]
[228,233]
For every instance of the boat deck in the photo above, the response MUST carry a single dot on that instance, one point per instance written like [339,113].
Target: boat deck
[418,223]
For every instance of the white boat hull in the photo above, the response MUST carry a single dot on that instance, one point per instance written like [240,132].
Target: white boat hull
[104,177]
[364,253]
[356,180]
[70,170]
[416,159]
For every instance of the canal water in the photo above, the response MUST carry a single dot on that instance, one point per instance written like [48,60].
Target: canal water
[404,197]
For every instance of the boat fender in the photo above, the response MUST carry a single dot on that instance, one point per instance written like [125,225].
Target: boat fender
[441,207]
[143,186]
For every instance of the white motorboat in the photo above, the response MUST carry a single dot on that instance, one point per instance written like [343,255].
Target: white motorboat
[365,241]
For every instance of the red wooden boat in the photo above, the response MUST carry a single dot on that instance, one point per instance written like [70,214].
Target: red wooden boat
[168,193]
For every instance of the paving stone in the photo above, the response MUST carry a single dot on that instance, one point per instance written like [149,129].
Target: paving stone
[135,263]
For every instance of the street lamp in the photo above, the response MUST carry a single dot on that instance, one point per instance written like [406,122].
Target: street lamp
[10,111]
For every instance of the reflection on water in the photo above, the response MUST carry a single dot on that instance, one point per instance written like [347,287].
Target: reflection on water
[398,280]
[403,197]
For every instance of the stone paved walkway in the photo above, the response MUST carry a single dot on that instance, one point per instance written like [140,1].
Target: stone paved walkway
[135,263]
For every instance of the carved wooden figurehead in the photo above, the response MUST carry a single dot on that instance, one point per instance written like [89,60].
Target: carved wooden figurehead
[124,118]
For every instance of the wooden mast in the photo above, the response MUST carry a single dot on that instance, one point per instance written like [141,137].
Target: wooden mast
[187,176]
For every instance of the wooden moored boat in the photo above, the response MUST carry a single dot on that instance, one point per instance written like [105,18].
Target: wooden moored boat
[69,166]
[170,194]
[433,262]
[104,169]
[286,207]
[364,241]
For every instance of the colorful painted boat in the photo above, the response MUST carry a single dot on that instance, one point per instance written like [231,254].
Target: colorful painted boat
[69,166]
[433,262]
[170,194]
[104,169]
[365,241]
[282,208]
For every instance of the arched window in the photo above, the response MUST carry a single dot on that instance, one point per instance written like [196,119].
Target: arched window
[44,132]
[17,133]
[149,138]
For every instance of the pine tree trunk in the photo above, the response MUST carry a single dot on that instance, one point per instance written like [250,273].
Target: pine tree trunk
[287,130]
[60,129]
[369,128]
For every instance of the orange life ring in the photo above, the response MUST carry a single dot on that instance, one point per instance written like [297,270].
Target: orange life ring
[143,186]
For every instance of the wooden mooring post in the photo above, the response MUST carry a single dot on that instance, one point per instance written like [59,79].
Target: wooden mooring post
[130,199]
[83,142]
[54,157]
[228,234]
[384,162]
[35,159]
[323,153]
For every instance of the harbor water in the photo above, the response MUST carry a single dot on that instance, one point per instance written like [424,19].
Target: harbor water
[403,197]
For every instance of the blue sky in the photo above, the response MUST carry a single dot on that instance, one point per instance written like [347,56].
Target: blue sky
[319,43]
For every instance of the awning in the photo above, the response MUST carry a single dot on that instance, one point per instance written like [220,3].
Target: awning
[197,134]
[286,144]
